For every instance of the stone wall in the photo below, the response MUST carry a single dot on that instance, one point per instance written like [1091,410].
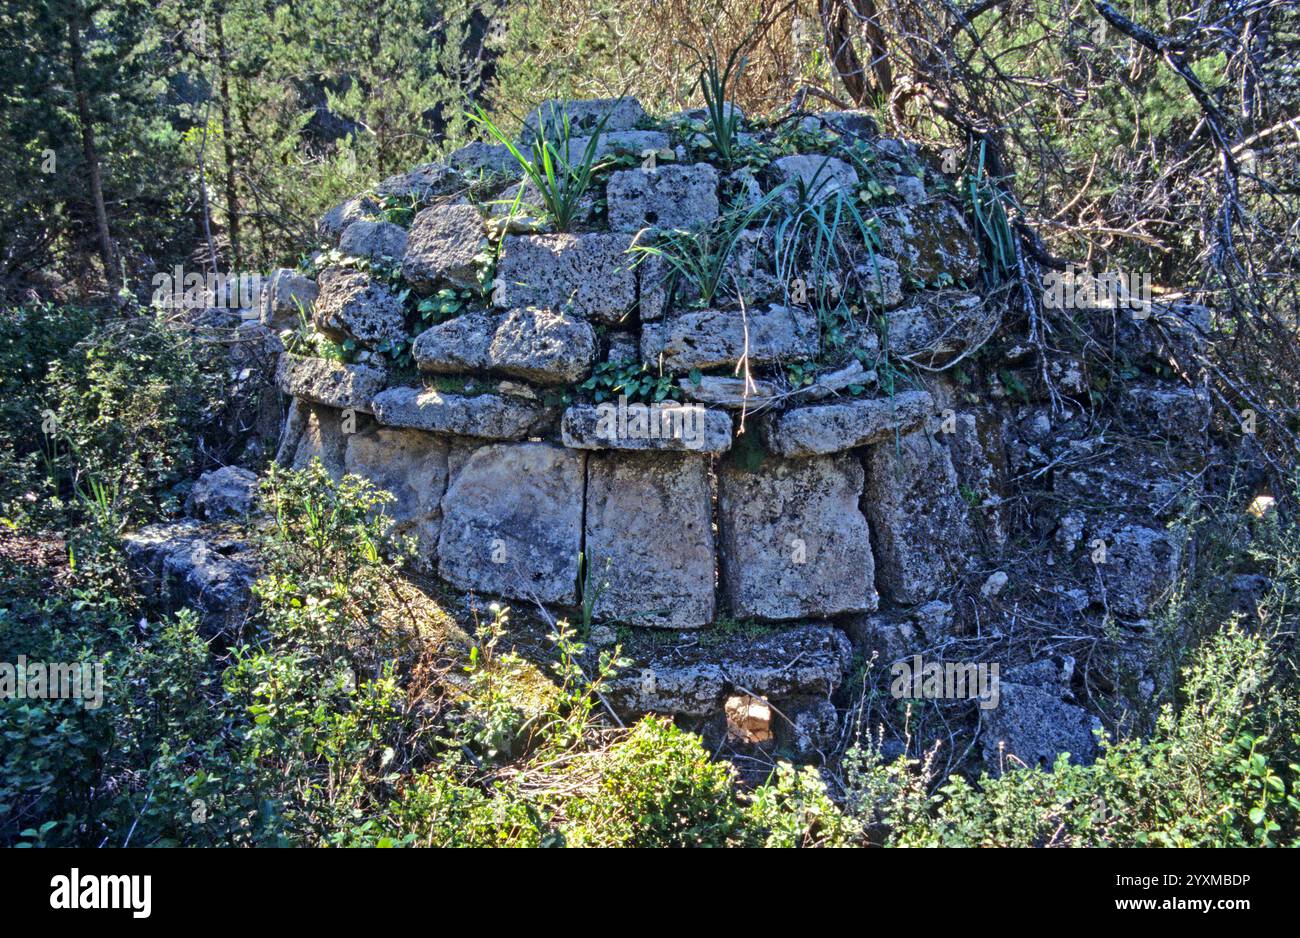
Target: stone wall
[797,478]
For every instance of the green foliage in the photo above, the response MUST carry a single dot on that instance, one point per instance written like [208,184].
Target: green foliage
[715,81]
[560,180]
[129,403]
[657,788]
[632,378]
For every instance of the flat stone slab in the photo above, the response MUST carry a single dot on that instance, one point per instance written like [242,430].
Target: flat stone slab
[484,416]
[584,116]
[334,384]
[695,680]
[512,523]
[918,519]
[664,197]
[794,543]
[535,345]
[715,338]
[442,247]
[352,305]
[666,426]
[840,425]
[649,545]
[589,275]
[733,393]
[822,176]
[413,467]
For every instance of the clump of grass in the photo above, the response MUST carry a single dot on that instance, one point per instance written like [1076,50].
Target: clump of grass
[561,181]
[715,81]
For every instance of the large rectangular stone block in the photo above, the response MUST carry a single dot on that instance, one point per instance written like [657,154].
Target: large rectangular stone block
[484,416]
[512,522]
[918,519]
[537,345]
[413,467]
[794,543]
[664,197]
[588,275]
[713,338]
[830,428]
[650,538]
[331,383]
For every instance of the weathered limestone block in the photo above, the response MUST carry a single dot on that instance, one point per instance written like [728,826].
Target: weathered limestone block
[649,545]
[442,247]
[918,519]
[590,275]
[696,680]
[712,338]
[667,196]
[939,326]
[483,158]
[412,466]
[654,283]
[929,240]
[980,460]
[1139,569]
[721,391]
[484,416]
[295,421]
[351,305]
[189,565]
[322,438]
[334,384]
[375,240]
[288,295]
[1035,725]
[822,176]
[882,282]
[583,116]
[811,731]
[1173,412]
[512,522]
[839,425]
[422,182]
[331,224]
[859,124]
[794,543]
[666,426]
[535,345]
[618,143]
[228,492]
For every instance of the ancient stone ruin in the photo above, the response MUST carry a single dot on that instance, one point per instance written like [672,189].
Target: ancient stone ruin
[754,480]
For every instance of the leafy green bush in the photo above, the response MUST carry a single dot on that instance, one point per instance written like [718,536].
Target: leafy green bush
[657,788]
[129,402]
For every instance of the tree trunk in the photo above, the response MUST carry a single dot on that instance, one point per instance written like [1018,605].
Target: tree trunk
[89,149]
[227,136]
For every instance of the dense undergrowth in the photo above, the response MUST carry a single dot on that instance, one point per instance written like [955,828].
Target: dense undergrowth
[355,711]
